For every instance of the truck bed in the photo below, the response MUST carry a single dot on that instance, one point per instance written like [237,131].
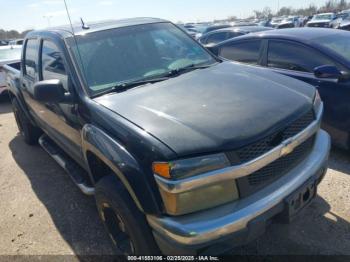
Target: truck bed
[9,75]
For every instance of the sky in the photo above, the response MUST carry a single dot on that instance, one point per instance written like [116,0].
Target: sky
[35,14]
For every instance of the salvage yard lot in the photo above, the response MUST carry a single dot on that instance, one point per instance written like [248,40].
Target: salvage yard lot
[42,212]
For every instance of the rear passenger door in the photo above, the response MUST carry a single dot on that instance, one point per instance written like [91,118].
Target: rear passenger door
[30,72]
[248,51]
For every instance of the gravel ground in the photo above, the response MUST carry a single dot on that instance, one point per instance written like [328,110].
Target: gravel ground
[43,213]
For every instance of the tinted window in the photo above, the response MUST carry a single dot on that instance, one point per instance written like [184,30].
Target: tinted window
[245,52]
[31,57]
[216,38]
[339,44]
[233,34]
[52,63]
[293,56]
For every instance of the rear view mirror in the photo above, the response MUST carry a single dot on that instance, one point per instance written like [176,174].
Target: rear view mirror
[49,91]
[327,71]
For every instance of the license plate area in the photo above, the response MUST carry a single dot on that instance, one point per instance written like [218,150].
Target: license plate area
[299,200]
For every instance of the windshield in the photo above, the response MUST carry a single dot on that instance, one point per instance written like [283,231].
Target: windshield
[323,17]
[112,57]
[10,53]
[339,44]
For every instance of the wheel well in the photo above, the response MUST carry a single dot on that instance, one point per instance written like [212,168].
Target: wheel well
[10,94]
[6,95]
[97,167]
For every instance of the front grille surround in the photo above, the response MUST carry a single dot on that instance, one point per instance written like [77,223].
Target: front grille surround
[261,178]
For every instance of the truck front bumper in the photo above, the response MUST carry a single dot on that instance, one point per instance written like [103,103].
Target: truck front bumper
[221,228]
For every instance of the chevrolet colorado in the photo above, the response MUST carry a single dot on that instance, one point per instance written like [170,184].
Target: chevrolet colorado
[184,153]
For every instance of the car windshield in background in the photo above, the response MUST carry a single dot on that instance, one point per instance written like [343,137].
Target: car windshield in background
[10,53]
[339,44]
[322,17]
[116,57]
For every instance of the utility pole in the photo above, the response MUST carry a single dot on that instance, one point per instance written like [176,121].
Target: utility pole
[48,17]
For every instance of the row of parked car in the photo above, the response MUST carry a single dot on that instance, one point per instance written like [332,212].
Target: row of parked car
[13,42]
[340,20]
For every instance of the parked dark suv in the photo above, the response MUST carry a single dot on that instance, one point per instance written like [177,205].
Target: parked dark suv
[183,152]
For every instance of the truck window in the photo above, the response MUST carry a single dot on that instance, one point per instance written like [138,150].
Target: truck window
[244,52]
[31,57]
[52,63]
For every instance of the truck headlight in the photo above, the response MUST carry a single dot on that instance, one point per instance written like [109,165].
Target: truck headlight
[317,102]
[199,198]
[180,169]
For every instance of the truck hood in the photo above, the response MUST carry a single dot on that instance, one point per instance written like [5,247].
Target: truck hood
[219,108]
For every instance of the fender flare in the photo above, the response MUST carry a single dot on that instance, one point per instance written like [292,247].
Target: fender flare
[113,154]
[14,90]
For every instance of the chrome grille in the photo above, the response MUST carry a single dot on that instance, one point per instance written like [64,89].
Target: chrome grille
[250,184]
[261,147]
[282,165]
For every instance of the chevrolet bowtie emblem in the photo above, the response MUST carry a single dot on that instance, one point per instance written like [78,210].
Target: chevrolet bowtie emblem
[287,147]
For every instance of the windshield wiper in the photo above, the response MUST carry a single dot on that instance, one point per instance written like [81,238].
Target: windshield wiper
[121,87]
[179,71]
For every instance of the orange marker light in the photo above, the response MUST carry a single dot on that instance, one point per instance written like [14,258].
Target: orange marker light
[161,169]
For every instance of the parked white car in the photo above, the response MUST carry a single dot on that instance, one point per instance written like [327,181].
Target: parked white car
[321,20]
[16,42]
[8,54]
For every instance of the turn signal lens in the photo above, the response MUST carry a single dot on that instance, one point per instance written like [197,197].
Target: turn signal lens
[161,169]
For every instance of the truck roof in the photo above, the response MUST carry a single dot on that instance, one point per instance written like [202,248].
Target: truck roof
[66,30]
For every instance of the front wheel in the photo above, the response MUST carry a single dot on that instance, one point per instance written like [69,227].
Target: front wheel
[124,222]
[29,132]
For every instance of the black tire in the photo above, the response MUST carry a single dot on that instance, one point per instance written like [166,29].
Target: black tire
[29,132]
[124,222]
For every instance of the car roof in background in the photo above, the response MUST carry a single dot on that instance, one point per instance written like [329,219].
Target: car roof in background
[243,29]
[324,14]
[66,30]
[302,34]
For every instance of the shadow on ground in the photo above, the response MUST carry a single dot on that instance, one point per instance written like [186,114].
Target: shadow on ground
[5,105]
[340,160]
[74,214]
[315,231]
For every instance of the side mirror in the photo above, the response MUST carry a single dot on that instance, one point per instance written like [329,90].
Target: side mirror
[327,71]
[49,91]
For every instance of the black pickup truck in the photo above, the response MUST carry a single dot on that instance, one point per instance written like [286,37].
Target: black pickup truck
[184,153]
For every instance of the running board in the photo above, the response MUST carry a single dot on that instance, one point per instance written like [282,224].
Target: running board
[77,174]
